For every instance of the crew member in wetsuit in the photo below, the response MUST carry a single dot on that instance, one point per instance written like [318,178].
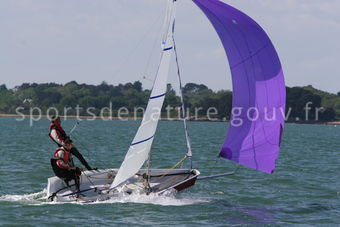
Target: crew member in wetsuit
[62,164]
[58,135]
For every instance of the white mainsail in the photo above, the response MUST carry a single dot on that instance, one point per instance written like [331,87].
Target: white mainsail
[140,148]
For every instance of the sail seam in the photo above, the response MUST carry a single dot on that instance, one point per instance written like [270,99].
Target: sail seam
[250,56]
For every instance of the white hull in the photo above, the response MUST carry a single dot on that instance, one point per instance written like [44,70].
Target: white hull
[95,184]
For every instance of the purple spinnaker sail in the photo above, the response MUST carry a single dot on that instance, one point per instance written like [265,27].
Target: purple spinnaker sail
[259,93]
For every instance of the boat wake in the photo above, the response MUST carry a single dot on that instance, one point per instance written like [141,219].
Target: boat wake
[169,199]
[37,198]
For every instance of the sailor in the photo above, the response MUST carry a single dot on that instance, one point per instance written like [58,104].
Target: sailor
[62,164]
[59,136]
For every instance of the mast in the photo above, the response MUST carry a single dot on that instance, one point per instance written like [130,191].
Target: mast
[140,148]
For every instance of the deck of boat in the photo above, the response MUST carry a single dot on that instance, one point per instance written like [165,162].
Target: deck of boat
[95,184]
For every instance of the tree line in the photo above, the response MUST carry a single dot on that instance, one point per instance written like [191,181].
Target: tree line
[132,95]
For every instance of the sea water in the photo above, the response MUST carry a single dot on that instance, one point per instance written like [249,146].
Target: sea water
[305,189]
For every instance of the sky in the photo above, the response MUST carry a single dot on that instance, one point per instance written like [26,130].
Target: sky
[118,41]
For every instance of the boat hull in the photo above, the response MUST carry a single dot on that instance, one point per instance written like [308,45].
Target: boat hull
[95,184]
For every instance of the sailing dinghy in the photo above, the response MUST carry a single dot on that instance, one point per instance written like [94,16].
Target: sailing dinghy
[258,96]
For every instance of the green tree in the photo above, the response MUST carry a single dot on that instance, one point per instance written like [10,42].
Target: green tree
[328,115]
[224,104]
[137,86]
[193,88]
[68,101]
[171,99]
[297,100]
[3,88]
[132,95]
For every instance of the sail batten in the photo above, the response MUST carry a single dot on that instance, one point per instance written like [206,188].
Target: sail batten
[157,96]
[257,121]
[142,141]
[169,48]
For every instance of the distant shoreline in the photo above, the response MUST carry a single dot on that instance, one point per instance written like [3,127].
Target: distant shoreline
[69,116]
[162,119]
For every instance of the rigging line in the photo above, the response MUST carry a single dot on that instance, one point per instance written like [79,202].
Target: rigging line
[155,42]
[148,31]
[175,166]
[83,147]
[189,153]
[164,38]
[161,56]
[88,178]
[74,127]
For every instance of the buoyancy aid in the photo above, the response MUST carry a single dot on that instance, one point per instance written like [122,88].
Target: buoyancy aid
[60,136]
[63,158]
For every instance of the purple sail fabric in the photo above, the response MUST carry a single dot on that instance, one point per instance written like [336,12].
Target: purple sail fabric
[259,93]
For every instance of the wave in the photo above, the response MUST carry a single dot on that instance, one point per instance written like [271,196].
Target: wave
[32,198]
[168,199]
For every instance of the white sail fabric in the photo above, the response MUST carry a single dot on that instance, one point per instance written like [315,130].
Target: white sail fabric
[140,148]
